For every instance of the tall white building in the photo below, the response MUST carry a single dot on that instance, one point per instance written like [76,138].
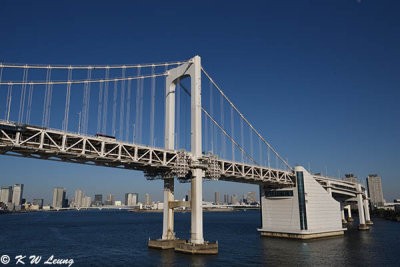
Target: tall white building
[86,202]
[217,200]
[79,195]
[147,200]
[131,199]
[251,197]
[235,200]
[59,197]
[6,194]
[17,194]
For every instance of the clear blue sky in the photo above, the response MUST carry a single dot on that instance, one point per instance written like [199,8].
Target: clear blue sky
[319,79]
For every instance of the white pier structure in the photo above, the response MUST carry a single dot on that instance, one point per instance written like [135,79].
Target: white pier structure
[294,202]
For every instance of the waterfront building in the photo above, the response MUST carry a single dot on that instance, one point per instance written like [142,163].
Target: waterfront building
[351,178]
[17,195]
[6,194]
[147,200]
[118,203]
[98,200]
[216,198]
[86,202]
[38,202]
[110,200]
[59,197]
[131,199]
[226,199]
[79,195]
[375,193]
[234,200]
[252,197]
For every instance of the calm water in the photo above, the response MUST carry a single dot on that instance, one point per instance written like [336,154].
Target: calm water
[119,238]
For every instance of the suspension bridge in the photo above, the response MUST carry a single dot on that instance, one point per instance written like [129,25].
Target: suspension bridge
[159,118]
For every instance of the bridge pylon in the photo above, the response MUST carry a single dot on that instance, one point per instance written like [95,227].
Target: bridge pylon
[196,244]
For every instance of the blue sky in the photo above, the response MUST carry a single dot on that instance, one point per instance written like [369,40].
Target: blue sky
[319,79]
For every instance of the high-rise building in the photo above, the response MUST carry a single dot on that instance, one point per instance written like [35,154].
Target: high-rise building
[39,202]
[251,197]
[244,198]
[375,192]
[234,200]
[189,195]
[98,200]
[79,195]
[350,178]
[131,199]
[217,201]
[226,199]
[17,194]
[86,202]
[147,200]
[59,197]
[110,200]
[6,194]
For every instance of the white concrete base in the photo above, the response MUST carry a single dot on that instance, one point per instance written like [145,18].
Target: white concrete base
[303,235]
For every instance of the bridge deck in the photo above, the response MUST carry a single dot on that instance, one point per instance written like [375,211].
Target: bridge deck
[42,143]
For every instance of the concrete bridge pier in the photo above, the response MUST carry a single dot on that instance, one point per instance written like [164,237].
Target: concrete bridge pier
[362,225]
[349,218]
[342,211]
[366,210]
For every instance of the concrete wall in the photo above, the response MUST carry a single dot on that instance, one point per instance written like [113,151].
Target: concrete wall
[323,211]
[281,214]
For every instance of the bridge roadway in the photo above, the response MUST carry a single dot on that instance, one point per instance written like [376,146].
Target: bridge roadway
[50,144]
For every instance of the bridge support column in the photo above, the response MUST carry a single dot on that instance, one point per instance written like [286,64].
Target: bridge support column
[362,225]
[196,232]
[349,218]
[168,213]
[366,210]
[342,211]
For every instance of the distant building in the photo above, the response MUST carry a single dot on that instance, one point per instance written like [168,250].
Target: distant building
[186,198]
[147,200]
[38,202]
[226,199]
[17,194]
[79,195]
[6,194]
[235,200]
[350,178]
[98,200]
[59,197]
[375,192]
[189,195]
[87,202]
[110,200]
[131,199]
[217,201]
[244,198]
[252,197]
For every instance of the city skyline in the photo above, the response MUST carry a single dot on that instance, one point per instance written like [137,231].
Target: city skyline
[346,83]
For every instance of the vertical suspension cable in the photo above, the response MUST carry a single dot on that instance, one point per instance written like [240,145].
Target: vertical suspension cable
[100,107]
[47,98]
[9,98]
[122,107]
[86,100]
[29,107]
[212,115]
[269,159]
[260,151]
[23,93]
[105,101]
[152,106]
[221,107]
[137,120]
[141,110]
[67,100]
[206,134]
[128,110]
[114,114]
[232,134]
[251,143]
[241,137]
